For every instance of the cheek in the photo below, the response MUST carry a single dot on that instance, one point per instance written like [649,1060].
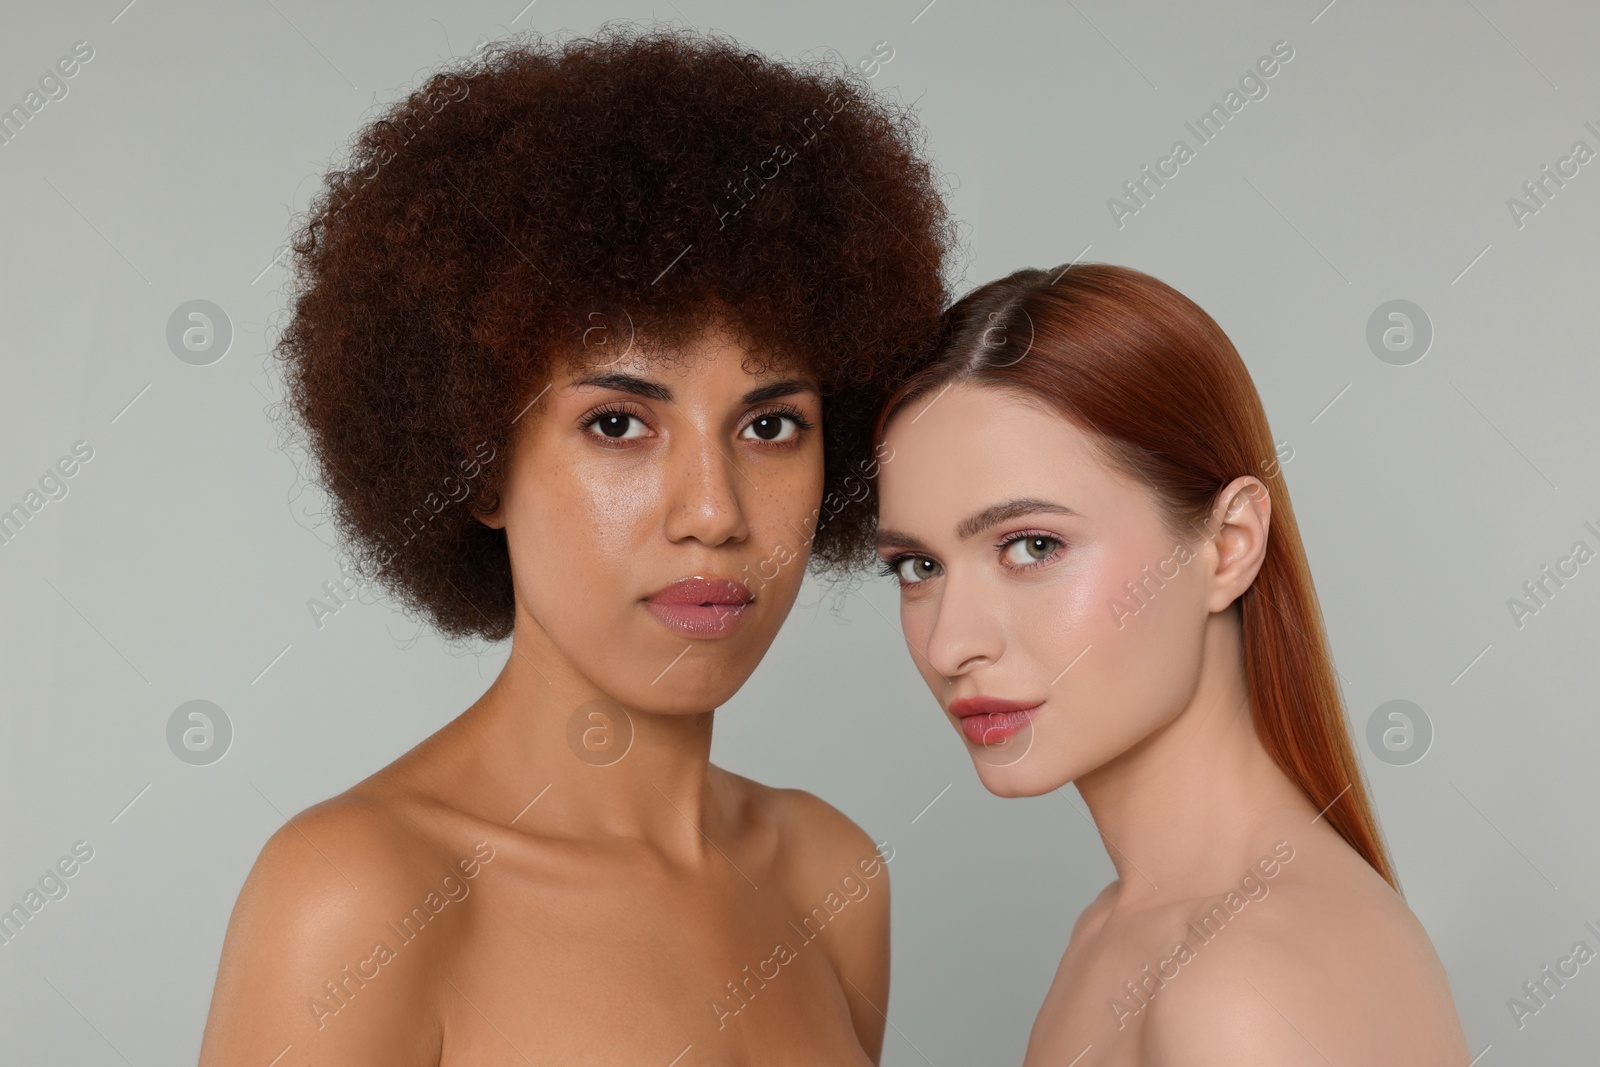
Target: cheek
[1061,618]
[611,514]
[579,528]
[1145,652]
[798,486]
[785,509]
[917,618]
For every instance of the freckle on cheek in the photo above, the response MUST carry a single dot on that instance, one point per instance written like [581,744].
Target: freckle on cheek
[613,515]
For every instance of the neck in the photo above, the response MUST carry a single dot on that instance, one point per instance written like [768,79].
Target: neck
[1194,806]
[547,731]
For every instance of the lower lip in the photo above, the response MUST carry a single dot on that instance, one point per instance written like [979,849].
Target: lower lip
[994,727]
[700,620]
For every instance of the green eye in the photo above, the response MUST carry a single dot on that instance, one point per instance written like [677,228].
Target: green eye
[1030,548]
[910,570]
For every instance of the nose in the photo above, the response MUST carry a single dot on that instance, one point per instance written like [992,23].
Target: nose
[967,632]
[705,503]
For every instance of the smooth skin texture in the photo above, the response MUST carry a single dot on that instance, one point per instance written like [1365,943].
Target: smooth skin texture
[1148,714]
[583,913]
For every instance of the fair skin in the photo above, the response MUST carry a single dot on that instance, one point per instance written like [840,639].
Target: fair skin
[593,900]
[1011,537]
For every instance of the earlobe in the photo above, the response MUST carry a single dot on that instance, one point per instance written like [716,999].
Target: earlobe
[1243,515]
[495,515]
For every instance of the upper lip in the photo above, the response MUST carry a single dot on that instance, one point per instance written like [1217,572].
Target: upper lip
[703,591]
[969,706]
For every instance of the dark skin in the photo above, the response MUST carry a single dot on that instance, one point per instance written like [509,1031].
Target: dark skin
[587,908]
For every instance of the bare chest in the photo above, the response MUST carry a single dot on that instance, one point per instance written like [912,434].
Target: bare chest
[592,970]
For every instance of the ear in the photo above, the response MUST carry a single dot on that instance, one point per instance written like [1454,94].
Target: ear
[495,520]
[1241,518]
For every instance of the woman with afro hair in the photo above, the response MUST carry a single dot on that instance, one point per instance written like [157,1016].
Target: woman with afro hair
[585,343]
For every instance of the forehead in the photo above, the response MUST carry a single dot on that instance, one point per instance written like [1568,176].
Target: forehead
[972,446]
[716,352]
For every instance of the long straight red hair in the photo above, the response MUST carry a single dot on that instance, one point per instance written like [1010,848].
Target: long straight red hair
[1147,373]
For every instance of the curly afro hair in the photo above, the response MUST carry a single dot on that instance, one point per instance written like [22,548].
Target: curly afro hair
[637,183]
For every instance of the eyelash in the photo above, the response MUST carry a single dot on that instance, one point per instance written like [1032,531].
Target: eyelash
[1027,535]
[605,411]
[788,411]
[890,568]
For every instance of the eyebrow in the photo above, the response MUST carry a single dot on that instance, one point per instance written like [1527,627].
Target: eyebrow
[772,391]
[629,383]
[980,521]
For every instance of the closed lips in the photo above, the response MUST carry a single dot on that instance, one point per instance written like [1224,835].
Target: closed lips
[990,720]
[701,607]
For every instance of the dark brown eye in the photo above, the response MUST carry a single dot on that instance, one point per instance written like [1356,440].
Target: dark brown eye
[771,428]
[617,425]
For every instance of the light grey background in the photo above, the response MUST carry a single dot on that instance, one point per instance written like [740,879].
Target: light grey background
[180,563]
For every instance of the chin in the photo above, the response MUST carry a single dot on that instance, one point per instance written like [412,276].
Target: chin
[704,679]
[1010,782]
[691,696]
[1032,775]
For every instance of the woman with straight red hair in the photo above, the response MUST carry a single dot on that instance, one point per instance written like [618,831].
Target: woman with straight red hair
[1102,582]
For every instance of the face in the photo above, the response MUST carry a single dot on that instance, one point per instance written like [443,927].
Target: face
[1048,609]
[644,507]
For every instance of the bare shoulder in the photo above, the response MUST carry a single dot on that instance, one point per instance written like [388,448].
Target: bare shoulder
[1092,917]
[836,878]
[1305,969]
[829,862]
[816,843]
[321,953]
